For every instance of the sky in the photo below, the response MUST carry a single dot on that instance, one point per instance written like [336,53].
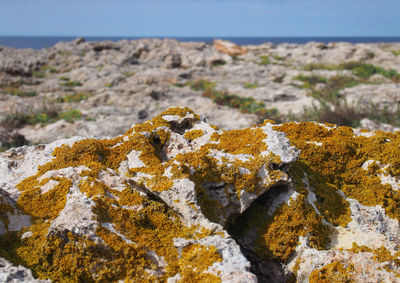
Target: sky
[199,18]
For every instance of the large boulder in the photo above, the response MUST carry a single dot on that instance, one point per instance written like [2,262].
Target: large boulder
[176,199]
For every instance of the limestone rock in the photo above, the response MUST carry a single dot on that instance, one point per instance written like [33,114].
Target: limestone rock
[229,48]
[150,202]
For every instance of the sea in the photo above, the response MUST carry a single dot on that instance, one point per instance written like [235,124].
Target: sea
[39,42]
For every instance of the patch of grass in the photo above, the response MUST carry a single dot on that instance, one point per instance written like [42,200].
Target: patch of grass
[243,104]
[235,57]
[67,82]
[217,63]
[250,85]
[332,86]
[395,52]
[48,113]
[17,92]
[201,85]
[108,85]
[42,72]
[277,57]
[128,74]
[319,66]
[179,85]
[64,53]
[75,97]
[361,70]
[364,70]
[310,81]
[345,115]
[71,115]
[264,60]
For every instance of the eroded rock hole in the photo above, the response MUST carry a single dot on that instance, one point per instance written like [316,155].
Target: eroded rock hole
[181,127]
[246,229]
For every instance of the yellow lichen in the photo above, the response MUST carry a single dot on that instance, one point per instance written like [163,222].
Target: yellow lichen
[289,222]
[193,134]
[338,161]
[147,225]
[195,260]
[335,272]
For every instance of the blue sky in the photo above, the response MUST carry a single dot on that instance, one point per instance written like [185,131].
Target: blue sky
[200,17]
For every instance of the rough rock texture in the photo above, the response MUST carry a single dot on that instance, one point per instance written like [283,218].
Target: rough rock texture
[177,199]
[110,85]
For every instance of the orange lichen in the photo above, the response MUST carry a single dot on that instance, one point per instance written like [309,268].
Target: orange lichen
[339,159]
[193,134]
[195,260]
[381,254]
[139,225]
[335,272]
[289,222]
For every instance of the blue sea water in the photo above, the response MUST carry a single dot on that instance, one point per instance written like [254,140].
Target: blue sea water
[43,42]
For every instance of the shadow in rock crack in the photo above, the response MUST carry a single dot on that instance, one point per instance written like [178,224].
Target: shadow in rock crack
[246,230]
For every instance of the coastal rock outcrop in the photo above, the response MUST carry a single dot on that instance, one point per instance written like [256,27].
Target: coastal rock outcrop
[177,199]
[87,88]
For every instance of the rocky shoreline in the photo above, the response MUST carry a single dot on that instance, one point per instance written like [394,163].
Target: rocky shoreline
[101,88]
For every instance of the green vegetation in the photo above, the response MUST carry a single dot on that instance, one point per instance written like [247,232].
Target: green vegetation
[332,86]
[361,70]
[48,113]
[396,52]
[264,60]
[43,71]
[64,53]
[277,57]
[319,66]
[217,63]
[128,74]
[243,104]
[17,92]
[201,85]
[250,85]
[67,82]
[75,97]
[334,108]
[70,116]
[235,57]
[179,85]
[109,85]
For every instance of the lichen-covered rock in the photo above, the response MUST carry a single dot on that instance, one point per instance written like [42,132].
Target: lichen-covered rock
[306,201]
[339,218]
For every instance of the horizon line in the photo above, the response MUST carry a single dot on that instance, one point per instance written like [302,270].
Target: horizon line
[208,36]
